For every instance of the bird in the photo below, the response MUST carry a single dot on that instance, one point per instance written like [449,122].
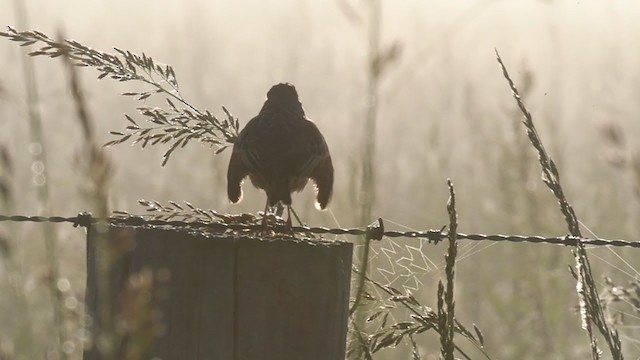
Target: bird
[280,150]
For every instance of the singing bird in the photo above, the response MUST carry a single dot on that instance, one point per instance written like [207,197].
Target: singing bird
[280,150]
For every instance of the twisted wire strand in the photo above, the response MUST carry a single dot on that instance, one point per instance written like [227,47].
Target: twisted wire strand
[85,220]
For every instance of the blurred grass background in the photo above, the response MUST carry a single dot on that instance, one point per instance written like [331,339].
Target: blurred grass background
[445,112]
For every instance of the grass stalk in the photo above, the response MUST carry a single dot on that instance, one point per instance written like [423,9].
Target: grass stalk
[422,319]
[96,168]
[368,179]
[23,338]
[41,179]
[446,303]
[174,126]
[591,309]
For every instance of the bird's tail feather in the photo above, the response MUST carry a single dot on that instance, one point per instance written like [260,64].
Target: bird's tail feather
[279,192]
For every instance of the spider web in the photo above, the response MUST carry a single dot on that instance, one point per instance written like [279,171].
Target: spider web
[398,263]
[400,268]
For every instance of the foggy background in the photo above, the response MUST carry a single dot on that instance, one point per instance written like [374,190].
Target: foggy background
[445,112]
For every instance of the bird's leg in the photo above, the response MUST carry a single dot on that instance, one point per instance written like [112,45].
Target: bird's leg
[289,225]
[264,215]
[279,209]
[298,219]
[296,215]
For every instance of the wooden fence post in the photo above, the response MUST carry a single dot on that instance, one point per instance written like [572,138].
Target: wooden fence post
[167,294]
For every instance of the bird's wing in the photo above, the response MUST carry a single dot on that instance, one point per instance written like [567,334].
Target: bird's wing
[312,148]
[318,165]
[243,160]
[236,172]
[246,147]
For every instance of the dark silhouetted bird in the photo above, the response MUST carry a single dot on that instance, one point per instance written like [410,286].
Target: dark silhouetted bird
[280,150]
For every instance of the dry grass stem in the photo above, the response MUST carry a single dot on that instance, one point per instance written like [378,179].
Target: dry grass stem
[591,308]
[175,125]
[40,176]
[446,303]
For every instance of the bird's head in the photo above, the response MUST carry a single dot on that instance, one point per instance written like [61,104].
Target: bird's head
[282,92]
[283,95]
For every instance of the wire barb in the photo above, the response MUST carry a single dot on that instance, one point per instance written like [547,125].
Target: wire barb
[83,219]
[375,230]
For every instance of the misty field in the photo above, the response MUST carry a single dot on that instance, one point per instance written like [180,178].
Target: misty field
[434,107]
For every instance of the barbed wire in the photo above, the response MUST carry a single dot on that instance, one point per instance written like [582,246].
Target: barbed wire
[374,231]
